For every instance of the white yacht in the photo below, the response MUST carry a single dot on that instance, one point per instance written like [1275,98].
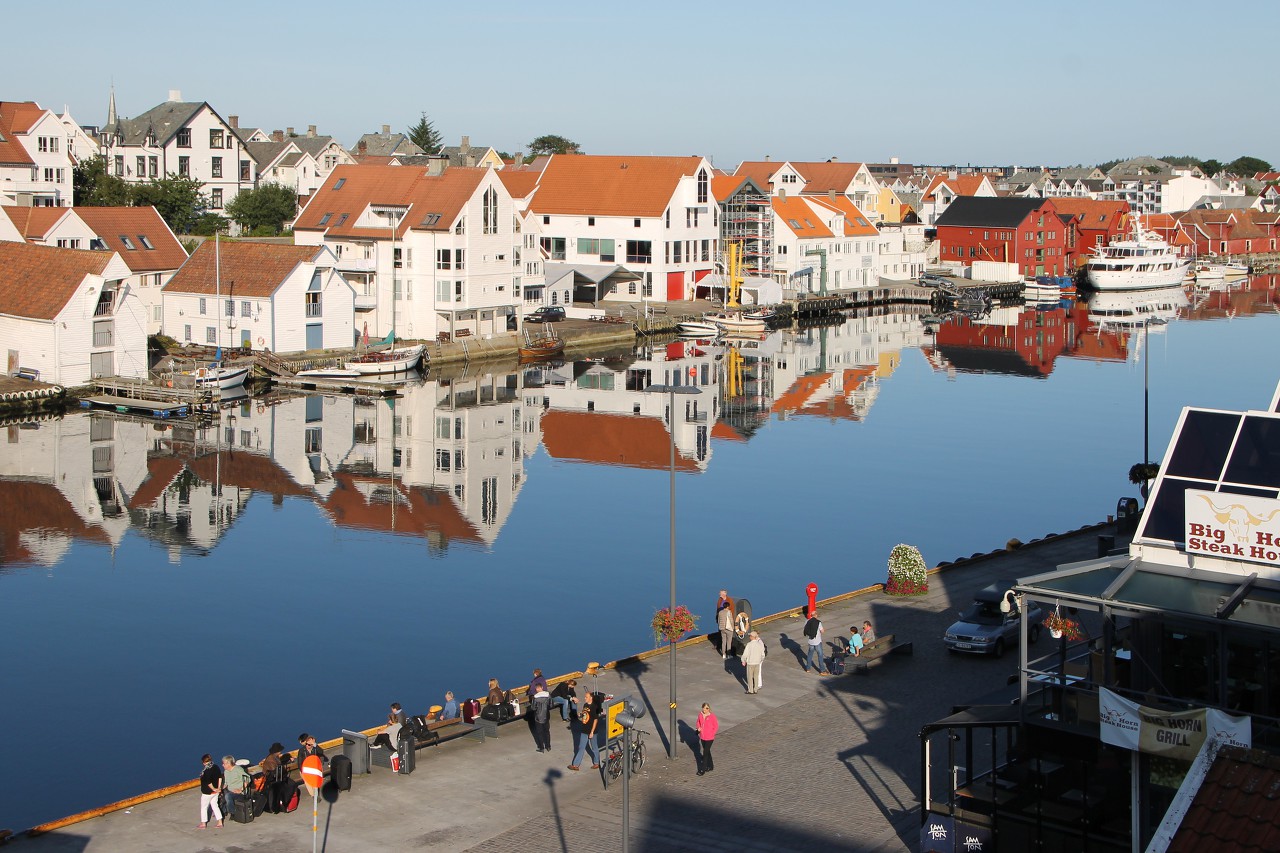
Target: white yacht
[1138,261]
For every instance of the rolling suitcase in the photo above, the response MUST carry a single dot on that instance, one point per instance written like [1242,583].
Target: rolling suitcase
[340,772]
[291,797]
[242,810]
[408,753]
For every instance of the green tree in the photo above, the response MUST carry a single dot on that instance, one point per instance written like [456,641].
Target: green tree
[1211,167]
[1248,165]
[425,136]
[178,200]
[267,207]
[94,186]
[552,144]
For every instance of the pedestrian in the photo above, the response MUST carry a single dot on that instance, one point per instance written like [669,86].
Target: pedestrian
[724,622]
[813,632]
[541,708]
[707,727]
[234,781]
[536,683]
[868,635]
[307,747]
[585,733]
[753,659]
[450,710]
[855,641]
[565,697]
[210,788]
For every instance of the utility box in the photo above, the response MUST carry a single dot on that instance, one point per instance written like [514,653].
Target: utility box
[356,747]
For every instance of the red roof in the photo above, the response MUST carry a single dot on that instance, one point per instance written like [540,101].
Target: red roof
[17,117]
[855,224]
[960,185]
[610,186]
[35,223]
[519,182]
[112,224]
[629,440]
[1237,808]
[433,201]
[247,269]
[796,214]
[60,272]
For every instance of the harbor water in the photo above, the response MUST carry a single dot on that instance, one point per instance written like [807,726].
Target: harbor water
[171,589]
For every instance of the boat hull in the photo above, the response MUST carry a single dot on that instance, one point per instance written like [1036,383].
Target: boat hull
[1130,279]
[702,330]
[541,351]
[222,377]
[395,361]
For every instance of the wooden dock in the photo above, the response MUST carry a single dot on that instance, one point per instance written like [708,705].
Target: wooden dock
[137,405]
[319,384]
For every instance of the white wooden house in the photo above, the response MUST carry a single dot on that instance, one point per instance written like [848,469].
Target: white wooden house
[35,156]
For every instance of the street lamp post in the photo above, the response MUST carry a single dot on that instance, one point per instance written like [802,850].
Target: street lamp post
[672,391]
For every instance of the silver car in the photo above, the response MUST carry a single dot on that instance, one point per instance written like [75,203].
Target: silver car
[989,625]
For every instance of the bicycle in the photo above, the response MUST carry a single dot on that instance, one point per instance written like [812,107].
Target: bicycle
[613,760]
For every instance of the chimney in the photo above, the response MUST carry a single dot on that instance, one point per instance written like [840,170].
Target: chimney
[362,147]
[766,158]
[833,159]
[437,165]
[234,121]
[386,130]
[466,144]
[831,194]
[277,136]
[311,131]
[290,133]
[519,158]
[782,194]
[893,160]
[175,95]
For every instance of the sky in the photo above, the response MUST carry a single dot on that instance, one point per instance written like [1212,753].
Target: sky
[932,82]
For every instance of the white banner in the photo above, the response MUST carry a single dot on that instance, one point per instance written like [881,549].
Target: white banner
[1177,734]
[1237,527]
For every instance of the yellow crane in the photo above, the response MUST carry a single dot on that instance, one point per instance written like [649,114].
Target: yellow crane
[733,273]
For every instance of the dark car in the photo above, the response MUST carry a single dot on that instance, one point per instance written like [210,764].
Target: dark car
[991,622]
[545,314]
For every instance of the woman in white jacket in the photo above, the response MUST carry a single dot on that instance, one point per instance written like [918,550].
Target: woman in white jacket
[753,658]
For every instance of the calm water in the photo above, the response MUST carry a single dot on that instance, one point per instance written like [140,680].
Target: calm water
[170,591]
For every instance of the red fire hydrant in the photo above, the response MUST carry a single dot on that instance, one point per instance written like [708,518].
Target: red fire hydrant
[812,590]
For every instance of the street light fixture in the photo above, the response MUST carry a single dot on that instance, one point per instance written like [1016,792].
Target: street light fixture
[672,391]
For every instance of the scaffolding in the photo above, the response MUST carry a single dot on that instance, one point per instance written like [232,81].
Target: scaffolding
[746,218]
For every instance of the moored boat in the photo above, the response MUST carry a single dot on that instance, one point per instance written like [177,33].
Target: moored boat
[1142,260]
[541,349]
[399,360]
[734,321]
[1207,272]
[218,376]
[328,373]
[698,329]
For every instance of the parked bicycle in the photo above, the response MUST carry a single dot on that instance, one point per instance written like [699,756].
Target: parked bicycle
[613,760]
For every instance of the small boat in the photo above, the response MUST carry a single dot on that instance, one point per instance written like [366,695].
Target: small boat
[698,329]
[541,349]
[734,321]
[1207,272]
[400,360]
[766,314]
[218,376]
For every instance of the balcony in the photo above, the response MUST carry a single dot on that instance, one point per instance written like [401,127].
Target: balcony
[354,264]
[366,302]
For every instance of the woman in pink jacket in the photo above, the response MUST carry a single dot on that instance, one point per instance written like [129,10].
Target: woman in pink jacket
[707,727]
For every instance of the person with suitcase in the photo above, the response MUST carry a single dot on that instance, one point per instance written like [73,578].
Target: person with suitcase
[235,782]
[275,770]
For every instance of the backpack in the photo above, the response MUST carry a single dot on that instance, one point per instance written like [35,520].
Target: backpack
[811,628]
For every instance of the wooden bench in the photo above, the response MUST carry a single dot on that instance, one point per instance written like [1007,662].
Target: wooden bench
[28,373]
[876,651]
[462,333]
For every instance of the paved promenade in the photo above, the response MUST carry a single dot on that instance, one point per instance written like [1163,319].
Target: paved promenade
[811,763]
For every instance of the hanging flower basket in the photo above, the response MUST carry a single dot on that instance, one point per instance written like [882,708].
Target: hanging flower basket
[672,626]
[1063,627]
[906,572]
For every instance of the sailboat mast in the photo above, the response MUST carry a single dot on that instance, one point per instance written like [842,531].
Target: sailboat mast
[217,295]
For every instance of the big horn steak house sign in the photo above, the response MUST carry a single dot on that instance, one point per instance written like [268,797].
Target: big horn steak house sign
[1237,527]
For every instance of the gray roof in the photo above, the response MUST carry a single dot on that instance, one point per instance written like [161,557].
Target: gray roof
[312,145]
[458,158]
[418,159]
[390,145]
[161,122]
[1001,212]
[1225,202]
[913,199]
[1138,165]
[265,153]
[1076,173]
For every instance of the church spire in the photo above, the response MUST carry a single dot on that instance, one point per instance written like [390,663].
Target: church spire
[111,107]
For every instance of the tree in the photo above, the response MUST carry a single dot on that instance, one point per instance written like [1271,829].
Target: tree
[178,200]
[267,207]
[94,186]
[1211,167]
[425,136]
[551,144]
[1248,165]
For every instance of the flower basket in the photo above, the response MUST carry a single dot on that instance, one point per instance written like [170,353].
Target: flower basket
[672,626]
[906,572]
[1063,627]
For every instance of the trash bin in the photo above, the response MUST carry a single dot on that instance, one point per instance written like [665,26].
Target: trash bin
[1106,544]
[356,747]
[1127,514]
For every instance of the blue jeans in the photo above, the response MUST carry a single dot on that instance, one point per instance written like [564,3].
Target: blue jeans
[585,743]
[565,706]
[815,650]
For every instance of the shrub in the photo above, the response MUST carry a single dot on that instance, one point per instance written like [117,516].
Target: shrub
[906,571]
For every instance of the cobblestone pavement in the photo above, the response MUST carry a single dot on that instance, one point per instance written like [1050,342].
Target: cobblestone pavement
[811,763]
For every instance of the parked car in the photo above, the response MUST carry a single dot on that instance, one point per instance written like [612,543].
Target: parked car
[545,314]
[989,625]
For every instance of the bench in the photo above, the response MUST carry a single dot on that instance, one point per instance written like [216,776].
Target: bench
[462,333]
[28,373]
[876,651]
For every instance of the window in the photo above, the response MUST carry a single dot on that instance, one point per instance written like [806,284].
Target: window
[146,243]
[48,144]
[184,137]
[186,332]
[244,171]
[450,259]
[119,164]
[546,220]
[103,333]
[216,167]
[639,251]
[128,244]
[703,183]
[593,246]
[229,307]
[184,167]
[324,220]
[153,167]
[312,303]
[667,217]
[442,459]
[141,167]
[490,213]
[442,291]
[461,227]
[635,223]
[246,309]
[591,221]
[554,248]
[202,305]
[210,334]
[215,138]
[215,198]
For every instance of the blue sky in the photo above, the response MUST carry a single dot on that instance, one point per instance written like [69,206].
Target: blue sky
[927,82]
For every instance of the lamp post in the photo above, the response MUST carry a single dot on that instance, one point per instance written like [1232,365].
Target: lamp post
[672,391]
